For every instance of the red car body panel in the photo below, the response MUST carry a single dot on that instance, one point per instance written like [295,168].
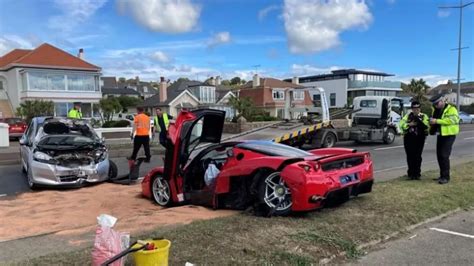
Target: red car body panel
[318,175]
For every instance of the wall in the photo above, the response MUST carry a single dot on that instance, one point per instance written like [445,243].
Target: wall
[235,128]
[177,102]
[338,86]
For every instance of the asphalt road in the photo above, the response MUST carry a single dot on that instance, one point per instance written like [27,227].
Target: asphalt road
[389,160]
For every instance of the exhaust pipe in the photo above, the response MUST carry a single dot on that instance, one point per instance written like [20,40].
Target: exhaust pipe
[316,199]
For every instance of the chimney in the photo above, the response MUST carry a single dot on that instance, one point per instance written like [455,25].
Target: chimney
[137,79]
[81,54]
[212,81]
[256,81]
[163,89]
[296,80]
[218,80]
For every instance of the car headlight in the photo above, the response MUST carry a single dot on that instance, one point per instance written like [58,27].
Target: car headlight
[43,158]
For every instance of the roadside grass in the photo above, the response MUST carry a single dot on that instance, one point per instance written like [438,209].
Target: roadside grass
[305,239]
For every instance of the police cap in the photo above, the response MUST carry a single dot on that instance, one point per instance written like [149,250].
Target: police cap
[436,98]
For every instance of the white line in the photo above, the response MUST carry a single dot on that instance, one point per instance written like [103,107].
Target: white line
[388,148]
[469,138]
[451,232]
[3,195]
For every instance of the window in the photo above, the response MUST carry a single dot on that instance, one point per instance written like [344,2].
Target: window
[332,99]
[61,109]
[381,93]
[207,95]
[38,81]
[278,95]
[317,100]
[81,83]
[368,103]
[298,95]
[1,85]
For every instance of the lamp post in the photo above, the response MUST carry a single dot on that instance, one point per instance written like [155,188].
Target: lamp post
[461,7]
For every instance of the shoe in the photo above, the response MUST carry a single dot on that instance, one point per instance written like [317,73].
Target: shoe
[437,179]
[147,160]
[443,181]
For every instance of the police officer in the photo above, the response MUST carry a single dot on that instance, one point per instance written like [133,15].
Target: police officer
[445,124]
[414,127]
[75,112]
[141,130]
[162,122]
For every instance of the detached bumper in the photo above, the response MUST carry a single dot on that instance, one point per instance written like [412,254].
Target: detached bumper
[54,175]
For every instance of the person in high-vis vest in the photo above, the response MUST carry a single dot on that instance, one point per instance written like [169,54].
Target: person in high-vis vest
[445,124]
[414,127]
[141,130]
[161,123]
[75,112]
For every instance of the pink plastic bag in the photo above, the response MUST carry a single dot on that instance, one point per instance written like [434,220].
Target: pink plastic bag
[107,244]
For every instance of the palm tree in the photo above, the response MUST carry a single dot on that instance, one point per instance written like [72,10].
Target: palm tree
[417,88]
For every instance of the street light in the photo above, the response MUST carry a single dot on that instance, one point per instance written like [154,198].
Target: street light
[461,7]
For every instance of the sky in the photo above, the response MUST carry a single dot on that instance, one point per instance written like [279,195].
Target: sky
[199,39]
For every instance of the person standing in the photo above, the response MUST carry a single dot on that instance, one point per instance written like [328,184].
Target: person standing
[414,127]
[75,112]
[445,124]
[141,130]
[162,122]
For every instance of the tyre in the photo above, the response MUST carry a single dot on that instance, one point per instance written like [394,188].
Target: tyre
[113,171]
[31,183]
[389,136]
[274,196]
[160,191]
[329,140]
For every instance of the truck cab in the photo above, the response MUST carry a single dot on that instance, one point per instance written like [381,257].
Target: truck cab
[377,112]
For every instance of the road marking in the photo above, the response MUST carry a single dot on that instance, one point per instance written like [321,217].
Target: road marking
[469,138]
[388,148]
[451,232]
[3,195]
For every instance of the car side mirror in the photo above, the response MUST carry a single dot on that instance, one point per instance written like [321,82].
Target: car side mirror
[24,142]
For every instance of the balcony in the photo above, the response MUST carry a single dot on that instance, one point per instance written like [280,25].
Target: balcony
[355,84]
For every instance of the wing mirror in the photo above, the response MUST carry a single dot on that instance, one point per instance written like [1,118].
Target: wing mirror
[24,142]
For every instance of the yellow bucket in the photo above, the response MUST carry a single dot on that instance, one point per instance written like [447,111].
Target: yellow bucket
[156,257]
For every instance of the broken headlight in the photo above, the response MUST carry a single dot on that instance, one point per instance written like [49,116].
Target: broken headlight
[43,158]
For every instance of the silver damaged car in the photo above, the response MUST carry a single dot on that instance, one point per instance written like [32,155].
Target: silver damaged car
[62,151]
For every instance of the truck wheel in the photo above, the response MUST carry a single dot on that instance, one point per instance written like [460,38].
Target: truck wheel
[389,136]
[329,141]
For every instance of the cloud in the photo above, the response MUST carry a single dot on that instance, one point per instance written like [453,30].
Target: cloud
[219,38]
[314,25]
[302,70]
[170,16]
[161,57]
[264,12]
[10,42]
[443,13]
[74,12]
[431,79]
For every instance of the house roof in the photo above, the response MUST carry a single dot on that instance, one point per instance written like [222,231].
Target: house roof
[466,87]
[121,91]
[47,56]
[339,74]
[271,83]
[109,82]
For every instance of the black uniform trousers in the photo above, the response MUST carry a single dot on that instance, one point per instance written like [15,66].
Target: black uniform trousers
[414,148]
[138,141]
[444,145]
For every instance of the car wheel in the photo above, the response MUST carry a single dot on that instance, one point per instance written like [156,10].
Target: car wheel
[329,141]
[29,176]
[160,191]
[274,196]
[389,136]
[113,171]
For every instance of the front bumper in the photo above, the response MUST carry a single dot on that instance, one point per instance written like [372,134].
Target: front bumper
[54,175]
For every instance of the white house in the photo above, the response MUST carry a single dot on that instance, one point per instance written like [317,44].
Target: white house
[341,86]
[51,74]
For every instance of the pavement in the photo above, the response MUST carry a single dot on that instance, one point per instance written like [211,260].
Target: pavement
[449,241]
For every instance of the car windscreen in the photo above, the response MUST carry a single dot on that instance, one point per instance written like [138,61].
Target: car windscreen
[273,149]
[66,140]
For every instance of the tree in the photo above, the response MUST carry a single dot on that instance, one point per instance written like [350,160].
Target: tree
[127,101]
[109,107]
[122,80]
[235,81]
[31,109]
[417,88]
[243,106]
[225,82]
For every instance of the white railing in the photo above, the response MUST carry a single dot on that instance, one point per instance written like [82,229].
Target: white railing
[101,130]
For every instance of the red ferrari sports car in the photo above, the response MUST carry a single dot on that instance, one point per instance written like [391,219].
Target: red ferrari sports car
[273,178]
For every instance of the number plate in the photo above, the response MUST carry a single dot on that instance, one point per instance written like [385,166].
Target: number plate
[348,178]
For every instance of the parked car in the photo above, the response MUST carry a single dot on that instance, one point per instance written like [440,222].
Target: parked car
[17,126]
[276,179]
[62,151]
[465,118]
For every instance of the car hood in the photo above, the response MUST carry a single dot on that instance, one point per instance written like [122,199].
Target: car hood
[67,142]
